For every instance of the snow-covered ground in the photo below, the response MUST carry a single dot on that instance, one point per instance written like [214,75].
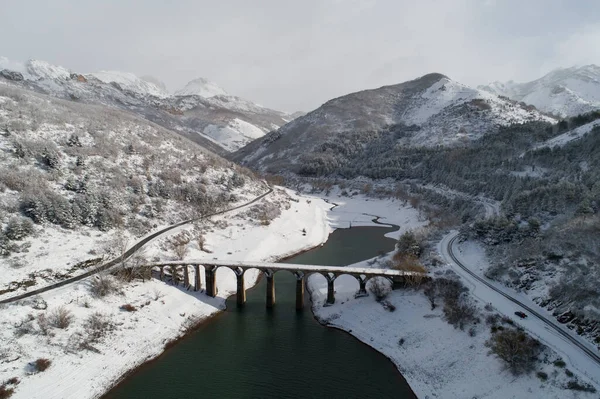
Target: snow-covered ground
[163,311]
[473,256]
[236,134]
[436,359]
[569,136]
[360,211]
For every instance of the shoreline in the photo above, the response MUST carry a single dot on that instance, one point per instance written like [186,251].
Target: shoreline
[198,326]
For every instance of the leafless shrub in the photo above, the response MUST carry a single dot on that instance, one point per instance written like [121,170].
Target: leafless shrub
[41,364]
[157,294]
[25,326]
[13,381]
[128,307]
[179,244]
[6,392]
[517,349]
[43,324]
[264,212]
[201,241]
[458,308]
[60,318]
[102,285]
[380,287]
[459,312]
[97,325]
[134,267]
[408,264]
[577,386]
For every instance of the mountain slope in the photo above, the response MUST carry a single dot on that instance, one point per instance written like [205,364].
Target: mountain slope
[129,81]
[563,92]
[428,111]
[80,171]
[219,122]
[201,87]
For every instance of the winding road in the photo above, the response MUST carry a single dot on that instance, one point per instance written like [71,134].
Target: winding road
[127,254]
[550,332]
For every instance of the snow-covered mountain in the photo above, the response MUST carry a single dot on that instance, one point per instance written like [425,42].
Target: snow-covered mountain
[129,81]
[201,111]
[201,87]
[428,111]
[562,92]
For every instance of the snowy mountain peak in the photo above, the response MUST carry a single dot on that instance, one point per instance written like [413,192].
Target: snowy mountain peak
[563,92]
[35,69]
[45,70]
[131,82]
[201,87]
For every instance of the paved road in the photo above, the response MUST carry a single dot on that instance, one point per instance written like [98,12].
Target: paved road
[589,352]
[126,255]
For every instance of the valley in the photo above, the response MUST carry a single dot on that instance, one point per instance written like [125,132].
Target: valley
[486,200]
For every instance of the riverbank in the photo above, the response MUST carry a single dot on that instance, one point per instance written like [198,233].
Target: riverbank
[163,313]
[436,359]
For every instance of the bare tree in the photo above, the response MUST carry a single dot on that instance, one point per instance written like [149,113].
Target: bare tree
[179,244]
[380,287]
[516,348]
[201,241]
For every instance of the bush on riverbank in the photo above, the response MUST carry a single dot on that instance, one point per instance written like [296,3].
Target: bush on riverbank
[380,287]
[458,309]
[516,349]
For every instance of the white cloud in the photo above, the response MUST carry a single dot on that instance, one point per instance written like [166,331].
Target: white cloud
[295,55]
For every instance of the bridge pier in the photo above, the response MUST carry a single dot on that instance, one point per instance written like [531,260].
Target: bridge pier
[270,287]
[299,290]
[174,276]
[330,288]
[362,290]
[211,280]
[241,291]
[197,281]
[162,273]
[186,277]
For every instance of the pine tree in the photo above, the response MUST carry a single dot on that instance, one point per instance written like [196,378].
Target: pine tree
[19,150]
[50,159]
[74,141]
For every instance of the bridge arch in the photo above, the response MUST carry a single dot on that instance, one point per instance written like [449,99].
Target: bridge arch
[189,273]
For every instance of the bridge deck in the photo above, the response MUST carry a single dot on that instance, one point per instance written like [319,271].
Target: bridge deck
[292,267]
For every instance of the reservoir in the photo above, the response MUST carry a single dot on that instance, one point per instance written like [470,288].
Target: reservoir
[254,352]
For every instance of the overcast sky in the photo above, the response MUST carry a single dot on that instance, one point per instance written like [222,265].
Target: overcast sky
[294,55]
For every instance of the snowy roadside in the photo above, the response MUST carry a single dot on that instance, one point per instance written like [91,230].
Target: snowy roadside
[163,312]
[473,256]
[436,359]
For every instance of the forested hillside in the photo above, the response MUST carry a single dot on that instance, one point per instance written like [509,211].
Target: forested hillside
[545,177]
[72,175]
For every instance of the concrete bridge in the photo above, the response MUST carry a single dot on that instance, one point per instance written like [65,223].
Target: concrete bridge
[301,272]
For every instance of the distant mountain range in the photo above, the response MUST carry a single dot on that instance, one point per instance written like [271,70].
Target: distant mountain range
[562,92]
[201,110]
[430,111]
